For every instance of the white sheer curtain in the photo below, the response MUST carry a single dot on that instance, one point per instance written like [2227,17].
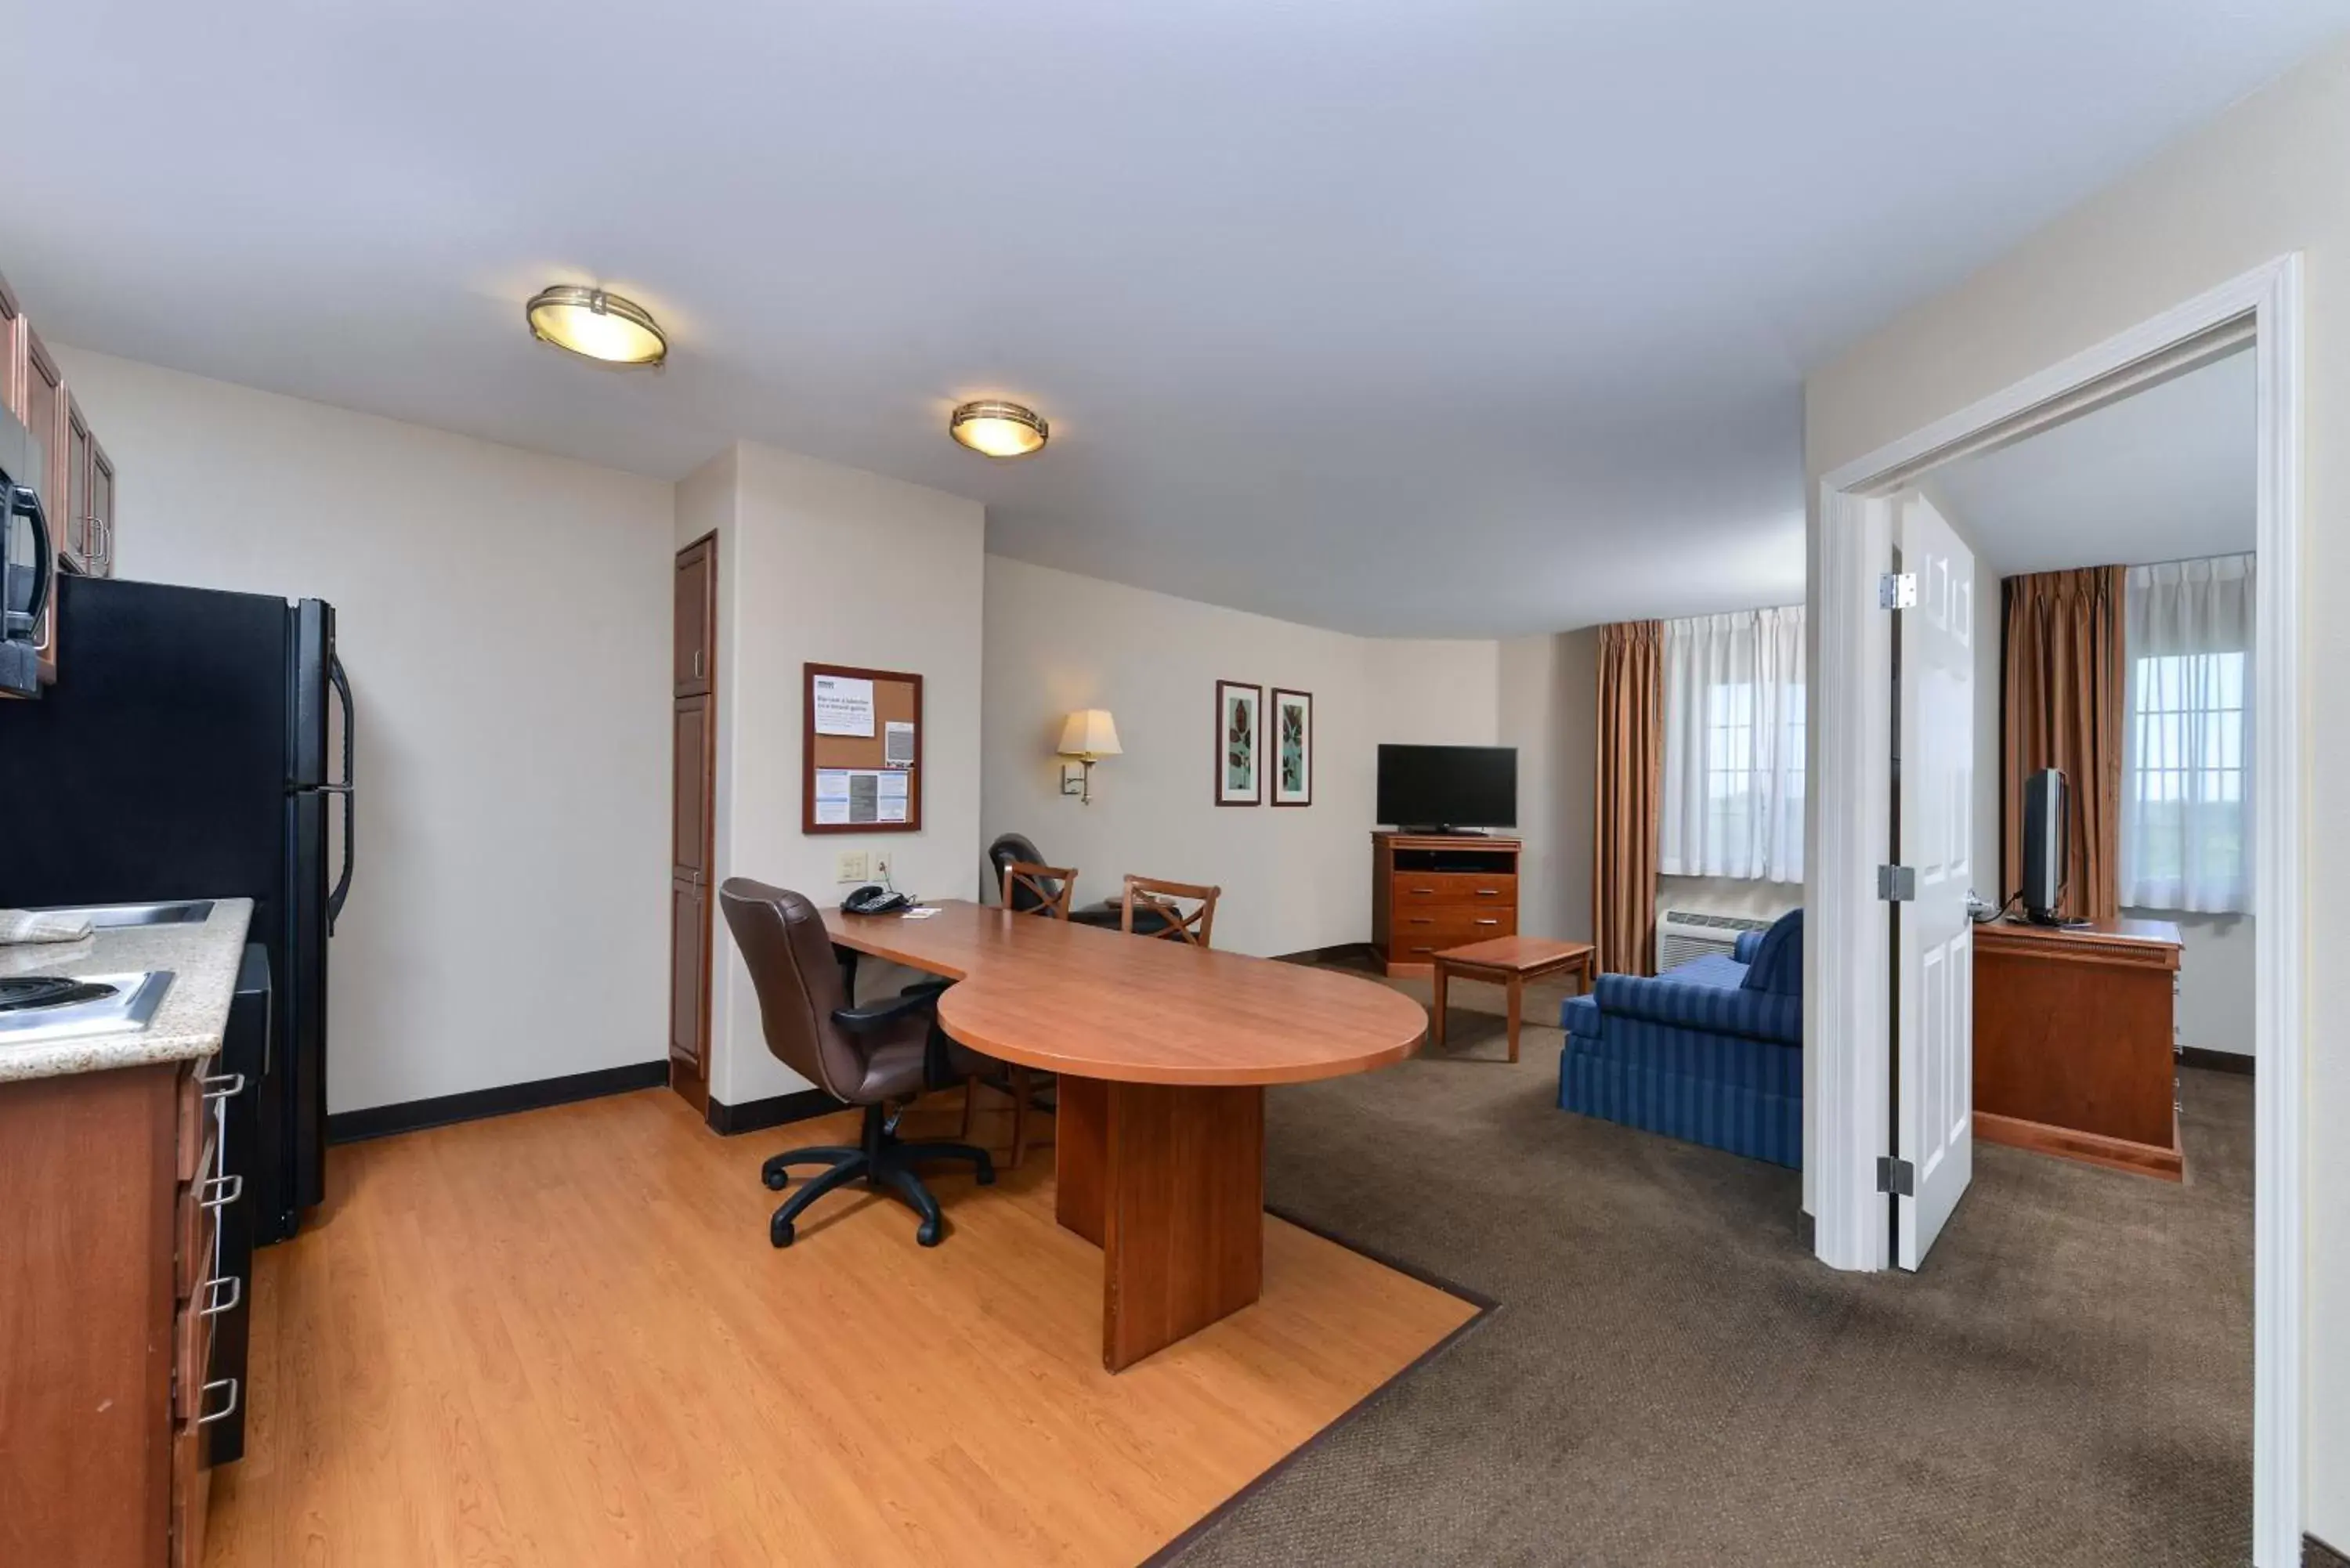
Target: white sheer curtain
[2187,797]
[1733,784]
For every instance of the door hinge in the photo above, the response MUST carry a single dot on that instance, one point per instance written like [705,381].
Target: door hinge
[1898,591]
[1897,1177]
[1897,884]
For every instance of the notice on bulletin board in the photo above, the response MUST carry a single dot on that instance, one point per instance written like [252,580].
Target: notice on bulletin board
[844,705]
[898,745]
[861,795]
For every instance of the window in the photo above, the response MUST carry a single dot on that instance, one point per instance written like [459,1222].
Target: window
[1733,765]
[2186,789]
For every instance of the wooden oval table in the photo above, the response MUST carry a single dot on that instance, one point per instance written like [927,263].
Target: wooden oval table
[1163,1051]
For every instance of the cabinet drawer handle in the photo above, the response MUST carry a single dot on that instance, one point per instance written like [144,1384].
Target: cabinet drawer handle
[697,664]
[1489,892]
[214,1303]
[225,1087]
[1423,919]
[1423,889]
[224,1190]
[203,1396]
[1488,922]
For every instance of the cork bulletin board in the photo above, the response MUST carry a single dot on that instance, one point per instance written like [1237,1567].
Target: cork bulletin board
[861,750]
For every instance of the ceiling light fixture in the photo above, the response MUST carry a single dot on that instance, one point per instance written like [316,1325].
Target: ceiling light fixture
[596,324]
[995,429]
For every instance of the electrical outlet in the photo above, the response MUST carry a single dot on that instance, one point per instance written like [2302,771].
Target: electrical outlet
[881,866]
[852,866]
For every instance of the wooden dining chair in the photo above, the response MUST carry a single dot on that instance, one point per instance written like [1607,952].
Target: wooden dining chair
[1163,902]
[1033,889]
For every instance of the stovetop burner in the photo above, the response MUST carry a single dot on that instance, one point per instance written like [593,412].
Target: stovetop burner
[31,992]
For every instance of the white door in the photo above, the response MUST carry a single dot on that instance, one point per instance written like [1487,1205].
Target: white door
[1935,790]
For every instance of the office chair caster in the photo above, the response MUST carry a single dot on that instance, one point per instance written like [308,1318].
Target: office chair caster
[775,1176]
[779,1231]
[930,1232]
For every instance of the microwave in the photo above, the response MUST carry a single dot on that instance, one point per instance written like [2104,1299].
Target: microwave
[27,559]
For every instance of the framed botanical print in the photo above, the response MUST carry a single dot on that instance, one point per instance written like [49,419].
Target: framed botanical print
[1291,736]
[1240,779]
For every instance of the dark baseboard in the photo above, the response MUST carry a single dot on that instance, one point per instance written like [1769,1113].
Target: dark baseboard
[1342,952]
[2316,1554]
[1486,1306]
[771,1112]
[414,1116]
[2216,1061]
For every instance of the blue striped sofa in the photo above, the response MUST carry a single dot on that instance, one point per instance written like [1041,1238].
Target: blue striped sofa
[1710,1052]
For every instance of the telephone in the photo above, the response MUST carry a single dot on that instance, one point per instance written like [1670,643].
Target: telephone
[874,899]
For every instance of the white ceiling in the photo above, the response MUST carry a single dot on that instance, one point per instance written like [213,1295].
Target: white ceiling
[1398,315]
[2165,474]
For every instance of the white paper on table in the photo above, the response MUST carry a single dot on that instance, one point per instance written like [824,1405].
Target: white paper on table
[898,743]
[922,914]
[844,705]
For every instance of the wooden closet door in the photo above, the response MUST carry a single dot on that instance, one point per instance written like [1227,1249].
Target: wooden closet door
[693,763]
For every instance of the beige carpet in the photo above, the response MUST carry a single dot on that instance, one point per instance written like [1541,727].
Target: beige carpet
[1671,1379]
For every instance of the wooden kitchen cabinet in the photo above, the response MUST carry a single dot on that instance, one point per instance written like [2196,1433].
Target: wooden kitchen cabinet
[695,618]
[11,352]
[106,1309]
[68,494]
[98,512]
[45,417]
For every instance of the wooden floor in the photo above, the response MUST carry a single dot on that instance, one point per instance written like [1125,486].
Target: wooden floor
[561,1338]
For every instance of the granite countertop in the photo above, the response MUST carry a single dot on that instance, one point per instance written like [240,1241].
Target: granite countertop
[204,961]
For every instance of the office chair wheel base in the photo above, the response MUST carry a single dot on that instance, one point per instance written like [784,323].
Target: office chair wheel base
[779,1231]
[986,1168]
[930,1232]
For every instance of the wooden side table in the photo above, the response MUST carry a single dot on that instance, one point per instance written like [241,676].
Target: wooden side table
[1508,961]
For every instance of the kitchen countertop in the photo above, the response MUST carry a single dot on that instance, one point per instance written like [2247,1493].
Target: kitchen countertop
[204,961]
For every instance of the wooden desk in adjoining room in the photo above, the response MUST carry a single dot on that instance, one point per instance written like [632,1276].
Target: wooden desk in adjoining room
[2074,1050]
[1163,1050]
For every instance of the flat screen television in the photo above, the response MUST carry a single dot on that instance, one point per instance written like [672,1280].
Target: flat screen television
[2045,808]
[1449,786]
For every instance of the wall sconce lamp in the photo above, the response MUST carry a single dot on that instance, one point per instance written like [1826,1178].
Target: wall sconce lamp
[1090,735]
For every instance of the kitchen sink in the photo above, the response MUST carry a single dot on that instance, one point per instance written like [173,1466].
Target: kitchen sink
[106,917]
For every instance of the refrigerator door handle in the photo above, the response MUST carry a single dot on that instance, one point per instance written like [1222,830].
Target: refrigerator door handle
[347,789]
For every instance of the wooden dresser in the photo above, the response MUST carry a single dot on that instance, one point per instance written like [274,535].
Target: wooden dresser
[1433,891]
[109,1200]
[2075,1049]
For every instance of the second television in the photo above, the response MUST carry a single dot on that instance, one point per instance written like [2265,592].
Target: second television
[1448,788]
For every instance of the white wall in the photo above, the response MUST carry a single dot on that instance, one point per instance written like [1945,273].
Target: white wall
[2264,179]
[833,565]
[504,617]
[1550,711]
[1293,878]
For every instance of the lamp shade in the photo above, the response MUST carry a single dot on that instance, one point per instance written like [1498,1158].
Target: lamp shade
[1090,732]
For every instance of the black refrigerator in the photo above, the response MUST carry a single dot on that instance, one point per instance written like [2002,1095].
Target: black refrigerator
[183,752]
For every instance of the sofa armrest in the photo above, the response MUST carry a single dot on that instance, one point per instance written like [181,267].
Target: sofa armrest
[1748,944]
[1711,1009]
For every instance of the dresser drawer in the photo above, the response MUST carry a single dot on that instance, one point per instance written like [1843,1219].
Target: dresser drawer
[1416,933]
[1423,889]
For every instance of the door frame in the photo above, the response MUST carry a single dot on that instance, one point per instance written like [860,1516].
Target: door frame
[1846,1022]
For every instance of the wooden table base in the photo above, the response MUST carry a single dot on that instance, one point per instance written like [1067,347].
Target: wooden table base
[1168,1181]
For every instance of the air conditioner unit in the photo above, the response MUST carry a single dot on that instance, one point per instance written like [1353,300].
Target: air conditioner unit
[1685,934]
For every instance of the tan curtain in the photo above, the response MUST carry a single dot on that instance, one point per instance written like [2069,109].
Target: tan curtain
[1629,796]
[2063,695]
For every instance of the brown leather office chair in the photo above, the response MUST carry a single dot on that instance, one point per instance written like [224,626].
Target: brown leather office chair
[865,1056]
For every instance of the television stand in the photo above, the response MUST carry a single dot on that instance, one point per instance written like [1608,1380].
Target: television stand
[1431,891]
